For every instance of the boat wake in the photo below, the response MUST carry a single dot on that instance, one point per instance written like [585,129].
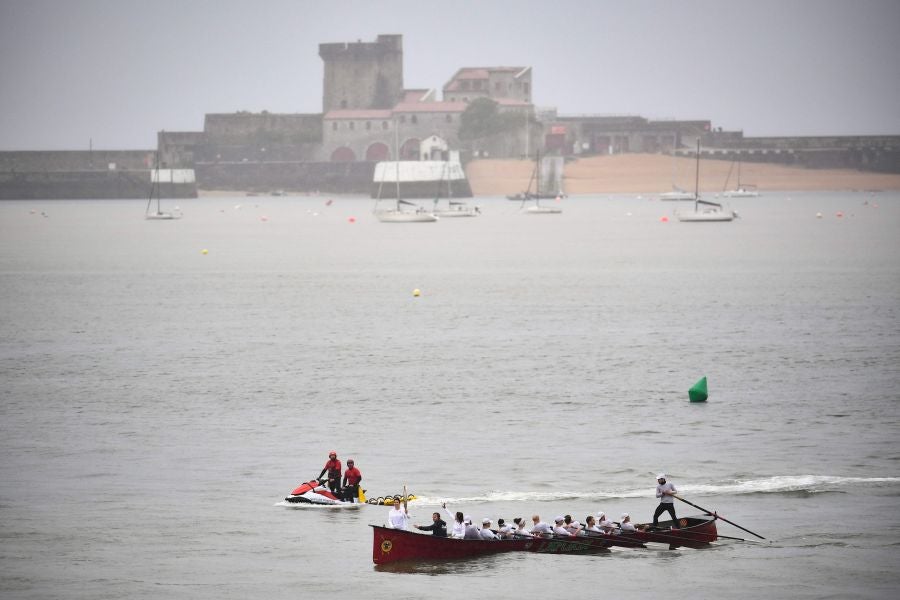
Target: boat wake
[796,485]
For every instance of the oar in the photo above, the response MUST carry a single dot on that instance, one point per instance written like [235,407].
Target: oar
[405,498]
[717,516]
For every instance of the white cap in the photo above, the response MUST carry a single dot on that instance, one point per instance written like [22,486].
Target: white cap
[467,518]
[661,476]
[601,515]
[485,521]
[624,516]
[558,519]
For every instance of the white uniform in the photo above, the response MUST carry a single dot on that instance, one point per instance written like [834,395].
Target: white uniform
[398,518]
[487,534]
[458,530]
[472,532]
[560,530]
[627,527]
[541,528]
[521,531]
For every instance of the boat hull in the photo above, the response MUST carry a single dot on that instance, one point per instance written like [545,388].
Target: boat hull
[393,545]
[741,194]
[711,216]
[690,532]
[452,213]
[399,216]
[543,210]
[676,196]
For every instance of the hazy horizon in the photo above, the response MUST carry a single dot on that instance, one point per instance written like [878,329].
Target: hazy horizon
[114,73]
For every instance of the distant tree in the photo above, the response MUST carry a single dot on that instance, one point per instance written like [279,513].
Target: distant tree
[482,118]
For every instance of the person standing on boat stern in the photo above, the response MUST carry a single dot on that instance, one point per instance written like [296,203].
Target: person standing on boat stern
[352,477]
[438,527]
[333,468]
[665,491]
[398,517]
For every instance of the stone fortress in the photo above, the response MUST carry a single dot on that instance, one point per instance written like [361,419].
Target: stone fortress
[368,115]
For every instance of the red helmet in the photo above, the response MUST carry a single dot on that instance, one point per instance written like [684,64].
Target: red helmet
[332,453]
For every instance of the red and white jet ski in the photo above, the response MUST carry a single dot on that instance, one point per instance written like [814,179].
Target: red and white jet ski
[315,492]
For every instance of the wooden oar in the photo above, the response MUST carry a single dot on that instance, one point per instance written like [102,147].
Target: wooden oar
[405,498]
[717,516]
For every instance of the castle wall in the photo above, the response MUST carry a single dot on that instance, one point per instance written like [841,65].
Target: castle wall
[362,75]
[179,148]
[262,129]
[358,134]
[331,177]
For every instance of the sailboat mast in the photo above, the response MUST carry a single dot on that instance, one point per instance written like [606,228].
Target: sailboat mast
[697,177]
[397,151]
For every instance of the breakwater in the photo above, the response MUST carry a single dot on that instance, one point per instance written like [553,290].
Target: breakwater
[76,185]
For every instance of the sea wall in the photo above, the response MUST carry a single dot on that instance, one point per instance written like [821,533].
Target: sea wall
[333,177]
[75,185]
[75,160]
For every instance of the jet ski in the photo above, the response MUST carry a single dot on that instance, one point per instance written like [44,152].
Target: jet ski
[315,492]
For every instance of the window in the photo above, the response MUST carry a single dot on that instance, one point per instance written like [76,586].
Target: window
[352,125]
[343,104]
[403,118]
[414,119]
[449,118]
[384,125]
[334,126]
[368,125]
[496,86]
[527,86]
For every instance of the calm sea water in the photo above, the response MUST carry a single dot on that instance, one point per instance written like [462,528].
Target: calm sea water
[158,402]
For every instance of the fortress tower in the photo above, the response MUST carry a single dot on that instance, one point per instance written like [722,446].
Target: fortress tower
[363,75]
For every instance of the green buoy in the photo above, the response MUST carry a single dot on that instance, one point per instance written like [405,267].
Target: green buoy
[698,392]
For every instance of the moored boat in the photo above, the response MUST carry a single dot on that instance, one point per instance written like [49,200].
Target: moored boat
[392,545]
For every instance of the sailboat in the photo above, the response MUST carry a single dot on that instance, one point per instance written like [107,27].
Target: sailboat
[743,190]
[158,214]
[704,211]
[398,214]
[455,208]
[537,195]
[677,193]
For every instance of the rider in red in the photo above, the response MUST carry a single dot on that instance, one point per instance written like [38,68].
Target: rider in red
[333,467]
[352,477]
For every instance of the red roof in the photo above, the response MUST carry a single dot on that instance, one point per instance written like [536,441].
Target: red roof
[414,95]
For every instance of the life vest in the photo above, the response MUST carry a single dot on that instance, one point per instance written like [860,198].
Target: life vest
[353,476]
[334,468]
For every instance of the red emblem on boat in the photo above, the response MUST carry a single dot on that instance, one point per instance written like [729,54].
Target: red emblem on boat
[386,546]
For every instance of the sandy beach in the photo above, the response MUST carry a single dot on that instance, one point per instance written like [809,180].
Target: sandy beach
[653,174]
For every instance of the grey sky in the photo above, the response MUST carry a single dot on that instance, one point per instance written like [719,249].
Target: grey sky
[117,71]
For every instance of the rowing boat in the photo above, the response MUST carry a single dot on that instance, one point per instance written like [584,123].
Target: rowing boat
[392,545]
[690,532]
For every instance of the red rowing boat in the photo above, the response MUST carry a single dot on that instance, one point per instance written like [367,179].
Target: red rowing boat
[690,532]
[391,545]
